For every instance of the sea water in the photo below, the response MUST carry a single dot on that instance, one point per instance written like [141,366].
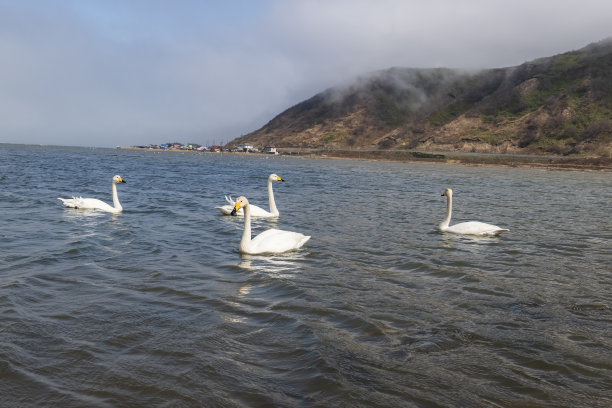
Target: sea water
[155,307]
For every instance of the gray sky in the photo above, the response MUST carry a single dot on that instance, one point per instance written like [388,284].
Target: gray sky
[127,72]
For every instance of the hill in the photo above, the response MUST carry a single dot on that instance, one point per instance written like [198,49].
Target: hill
[554,105]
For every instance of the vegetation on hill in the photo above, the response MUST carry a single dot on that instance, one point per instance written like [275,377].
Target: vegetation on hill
[559,105]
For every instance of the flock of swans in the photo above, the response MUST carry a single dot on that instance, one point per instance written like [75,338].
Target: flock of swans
[273,241]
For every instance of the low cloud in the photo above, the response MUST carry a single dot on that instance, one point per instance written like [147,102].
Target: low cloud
[117,73]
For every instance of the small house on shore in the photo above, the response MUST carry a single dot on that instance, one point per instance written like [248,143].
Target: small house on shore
[270,149]
[247,147]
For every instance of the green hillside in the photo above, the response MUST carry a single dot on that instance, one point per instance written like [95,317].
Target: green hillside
[558,105]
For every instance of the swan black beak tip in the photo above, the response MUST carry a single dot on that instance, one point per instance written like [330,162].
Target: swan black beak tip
[233,212]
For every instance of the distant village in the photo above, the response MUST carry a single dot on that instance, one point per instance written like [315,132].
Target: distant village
[244,147]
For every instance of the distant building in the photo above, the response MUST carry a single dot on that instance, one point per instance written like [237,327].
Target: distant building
[247,147]
[270,149]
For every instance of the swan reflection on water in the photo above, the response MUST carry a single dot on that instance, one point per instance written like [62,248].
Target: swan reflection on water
[278,266]
[284,266]
[74,214]
[467,242]
[110,229]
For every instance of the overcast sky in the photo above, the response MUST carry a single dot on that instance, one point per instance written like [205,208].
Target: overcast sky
[127,72]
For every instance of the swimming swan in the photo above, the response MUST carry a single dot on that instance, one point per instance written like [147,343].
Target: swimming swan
[255,210]
[467,228]
[269,241]
[95,204]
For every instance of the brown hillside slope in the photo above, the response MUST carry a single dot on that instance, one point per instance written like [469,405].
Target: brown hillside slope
[555,105]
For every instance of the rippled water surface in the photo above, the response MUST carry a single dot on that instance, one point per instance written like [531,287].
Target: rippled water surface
[155,307]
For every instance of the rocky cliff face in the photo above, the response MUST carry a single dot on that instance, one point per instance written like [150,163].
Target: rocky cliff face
[558,105]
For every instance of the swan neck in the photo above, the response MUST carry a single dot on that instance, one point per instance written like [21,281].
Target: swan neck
[271,201]
[116,202]
[246,234]
[449,210]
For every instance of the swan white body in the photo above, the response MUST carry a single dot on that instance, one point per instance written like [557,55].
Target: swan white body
[466,228]
[95,204]
[255,210]
[271,241]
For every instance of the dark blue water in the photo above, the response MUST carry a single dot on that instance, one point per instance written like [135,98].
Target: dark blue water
[155,307]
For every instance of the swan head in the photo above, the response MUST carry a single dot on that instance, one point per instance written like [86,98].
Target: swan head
[448,192]
[241,202]
[118,179]
[274,177]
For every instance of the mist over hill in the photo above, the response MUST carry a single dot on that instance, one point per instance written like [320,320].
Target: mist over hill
[558,105]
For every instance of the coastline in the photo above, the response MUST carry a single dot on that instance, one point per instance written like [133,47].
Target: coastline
[469,159]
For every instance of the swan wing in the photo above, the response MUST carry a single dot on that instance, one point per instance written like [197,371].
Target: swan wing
[277,241]
[70,202]
[87,204]
[475,228]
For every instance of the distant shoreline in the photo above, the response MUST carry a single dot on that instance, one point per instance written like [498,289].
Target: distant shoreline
[470,159]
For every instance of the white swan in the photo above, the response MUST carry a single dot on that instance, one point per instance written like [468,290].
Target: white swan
[467,228]
[95,204]
[255,210]
[269,241]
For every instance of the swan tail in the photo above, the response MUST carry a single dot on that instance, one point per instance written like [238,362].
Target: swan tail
[304,240]
[499,231]
[69,202]
[230,200]
[494,232]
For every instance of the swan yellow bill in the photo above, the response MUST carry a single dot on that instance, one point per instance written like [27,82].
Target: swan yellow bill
[236,208]
[279,179]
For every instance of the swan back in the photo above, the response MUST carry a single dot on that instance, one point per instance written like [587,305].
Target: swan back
[475,228]
[276,241]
